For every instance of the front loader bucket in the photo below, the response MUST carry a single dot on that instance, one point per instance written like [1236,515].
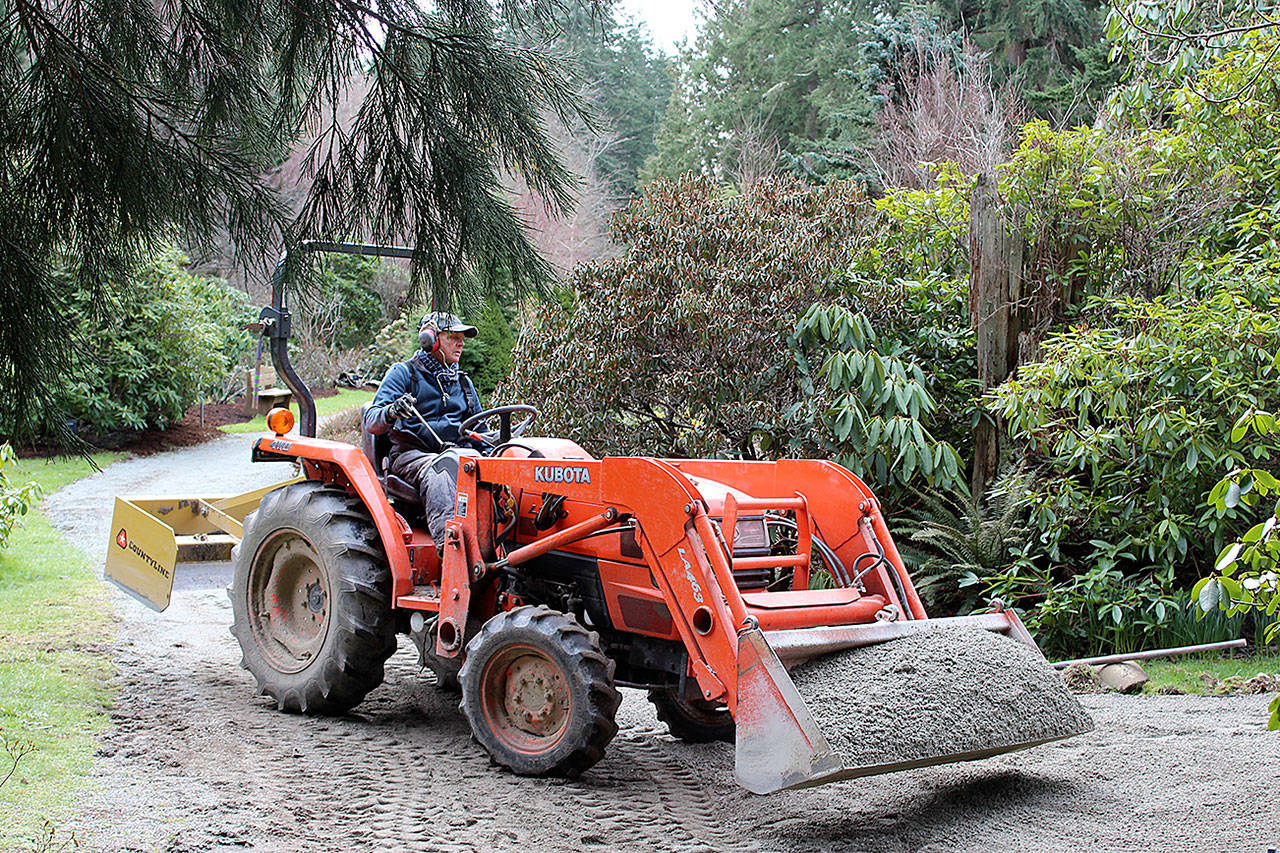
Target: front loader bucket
[778,744]
[892,696]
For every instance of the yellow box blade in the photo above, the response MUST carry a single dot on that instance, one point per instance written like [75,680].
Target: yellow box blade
[142,555]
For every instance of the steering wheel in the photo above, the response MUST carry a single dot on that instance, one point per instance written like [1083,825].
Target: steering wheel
[506,431]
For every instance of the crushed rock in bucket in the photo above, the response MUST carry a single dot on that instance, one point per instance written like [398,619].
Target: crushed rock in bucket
[946,692]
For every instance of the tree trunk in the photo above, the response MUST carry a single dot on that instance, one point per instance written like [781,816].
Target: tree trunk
[995,291]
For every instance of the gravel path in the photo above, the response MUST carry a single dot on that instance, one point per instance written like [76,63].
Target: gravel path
[195,762]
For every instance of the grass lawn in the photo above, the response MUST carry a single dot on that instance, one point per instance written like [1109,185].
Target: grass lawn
[1184,673]
[54,690]
[344,399]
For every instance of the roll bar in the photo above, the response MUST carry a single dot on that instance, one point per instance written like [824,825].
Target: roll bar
[276,324]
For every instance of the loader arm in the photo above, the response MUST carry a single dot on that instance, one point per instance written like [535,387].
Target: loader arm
[667,509]
[779,738]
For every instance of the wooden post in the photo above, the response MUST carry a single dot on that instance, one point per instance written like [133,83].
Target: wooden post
[250,394]
[995,291]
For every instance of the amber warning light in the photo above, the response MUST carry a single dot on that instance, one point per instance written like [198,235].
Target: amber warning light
[280,421]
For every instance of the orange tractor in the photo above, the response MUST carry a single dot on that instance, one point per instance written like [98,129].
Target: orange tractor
[563,577]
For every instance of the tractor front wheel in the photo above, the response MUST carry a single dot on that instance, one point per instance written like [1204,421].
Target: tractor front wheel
[692,720]
[311,596]
[539,693]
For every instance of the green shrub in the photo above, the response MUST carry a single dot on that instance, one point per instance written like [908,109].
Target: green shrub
[348,288]
[1099,610]
[951,538]
[876,402]
[1108,214]
[1246,577]
[1126,425]
[1229,116]
[170,339]
[908,276]
[1124,429]
[396,341]
[916,234]
[15,500]
[487,356]
[679,346]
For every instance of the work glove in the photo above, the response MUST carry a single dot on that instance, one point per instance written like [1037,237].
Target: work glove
[401,407]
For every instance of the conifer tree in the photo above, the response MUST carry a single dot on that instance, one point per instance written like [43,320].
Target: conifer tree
[126,122]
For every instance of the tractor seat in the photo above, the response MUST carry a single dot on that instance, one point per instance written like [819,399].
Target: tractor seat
[401,491]
[376,448]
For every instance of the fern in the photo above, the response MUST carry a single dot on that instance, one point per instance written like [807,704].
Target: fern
[952,535]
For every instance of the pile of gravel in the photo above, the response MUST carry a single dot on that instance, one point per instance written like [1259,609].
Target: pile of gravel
[958,692]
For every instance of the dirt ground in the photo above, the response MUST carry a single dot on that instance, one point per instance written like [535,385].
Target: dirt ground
[195,762]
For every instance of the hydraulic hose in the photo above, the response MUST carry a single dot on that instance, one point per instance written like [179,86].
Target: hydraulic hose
[836,567]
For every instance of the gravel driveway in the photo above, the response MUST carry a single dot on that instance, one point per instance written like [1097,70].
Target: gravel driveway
[194,761]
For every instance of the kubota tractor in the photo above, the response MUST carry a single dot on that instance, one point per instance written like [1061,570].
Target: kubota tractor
[562,578]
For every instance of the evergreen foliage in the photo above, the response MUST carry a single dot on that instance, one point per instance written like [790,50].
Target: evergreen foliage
[765,73]
[678,347]
[170,339]
[808,77]
[1127,419]
[487,356]
[1148,329]
[1171,49]
[1127,425]
[953,537]
[179,108]
[1049,48]
[880,401]
[626,82]
[721,331]
[344,301]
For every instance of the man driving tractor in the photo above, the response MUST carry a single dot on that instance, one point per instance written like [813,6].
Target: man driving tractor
[422,403]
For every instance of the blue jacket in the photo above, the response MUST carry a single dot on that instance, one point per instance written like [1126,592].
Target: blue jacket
[444,397]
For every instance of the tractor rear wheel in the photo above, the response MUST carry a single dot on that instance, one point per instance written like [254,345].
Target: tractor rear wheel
[692,720]
[312,599]
[539,693]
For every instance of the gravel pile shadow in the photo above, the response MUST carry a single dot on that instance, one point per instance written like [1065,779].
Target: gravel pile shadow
[961,692]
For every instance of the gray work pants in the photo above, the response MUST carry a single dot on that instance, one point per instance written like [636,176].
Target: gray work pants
[436,488]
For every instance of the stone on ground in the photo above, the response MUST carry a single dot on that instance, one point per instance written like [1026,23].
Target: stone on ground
[1125,677]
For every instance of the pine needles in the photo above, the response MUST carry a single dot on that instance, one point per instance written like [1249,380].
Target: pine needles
[125,122]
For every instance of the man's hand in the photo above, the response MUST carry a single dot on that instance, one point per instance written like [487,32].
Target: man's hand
[401,407]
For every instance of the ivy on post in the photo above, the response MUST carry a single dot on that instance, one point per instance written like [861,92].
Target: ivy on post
[995,291]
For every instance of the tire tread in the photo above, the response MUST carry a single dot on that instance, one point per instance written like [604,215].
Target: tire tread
[351,664]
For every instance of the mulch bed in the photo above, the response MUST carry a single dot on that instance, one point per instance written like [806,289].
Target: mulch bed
[194,428]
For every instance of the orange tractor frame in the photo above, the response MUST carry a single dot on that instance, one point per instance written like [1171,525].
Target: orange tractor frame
[563,577]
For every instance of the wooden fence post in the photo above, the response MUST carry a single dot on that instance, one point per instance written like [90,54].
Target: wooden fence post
[995,291]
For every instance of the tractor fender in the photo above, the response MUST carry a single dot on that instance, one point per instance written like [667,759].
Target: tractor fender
[361,481]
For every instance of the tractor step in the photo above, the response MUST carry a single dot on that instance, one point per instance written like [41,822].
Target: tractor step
[423,597]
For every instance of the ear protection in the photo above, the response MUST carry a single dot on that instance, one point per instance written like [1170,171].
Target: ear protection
[427,337]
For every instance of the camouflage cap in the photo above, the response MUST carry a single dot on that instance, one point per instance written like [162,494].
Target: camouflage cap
[441,321]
